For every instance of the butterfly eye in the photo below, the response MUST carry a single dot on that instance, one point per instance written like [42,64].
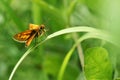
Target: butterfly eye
[42,27]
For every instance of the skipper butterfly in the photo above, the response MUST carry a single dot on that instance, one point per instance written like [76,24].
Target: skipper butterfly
[28,35]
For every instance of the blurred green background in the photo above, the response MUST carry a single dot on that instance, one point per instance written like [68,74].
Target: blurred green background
[45,61]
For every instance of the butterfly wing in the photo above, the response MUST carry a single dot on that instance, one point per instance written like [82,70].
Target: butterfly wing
[23,36]
[29,40]
[28,35]
[33,26]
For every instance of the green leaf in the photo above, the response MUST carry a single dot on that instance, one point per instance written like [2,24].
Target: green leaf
[97,64]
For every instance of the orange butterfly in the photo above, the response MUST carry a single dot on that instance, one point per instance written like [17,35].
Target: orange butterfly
[28,35]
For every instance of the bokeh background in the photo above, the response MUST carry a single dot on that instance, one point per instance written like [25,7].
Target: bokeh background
[45,61]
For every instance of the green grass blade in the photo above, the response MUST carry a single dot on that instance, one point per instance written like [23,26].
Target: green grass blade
[71,7]
[46,7]
[50,9]
[78,29]
[21,59]
[36,12]
[18,63]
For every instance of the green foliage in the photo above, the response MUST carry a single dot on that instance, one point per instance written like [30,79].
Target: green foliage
[97,64]
[92,26]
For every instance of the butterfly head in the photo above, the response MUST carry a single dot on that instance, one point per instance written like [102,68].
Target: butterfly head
[42,27]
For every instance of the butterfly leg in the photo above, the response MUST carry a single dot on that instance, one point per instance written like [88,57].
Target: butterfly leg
[36,41]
